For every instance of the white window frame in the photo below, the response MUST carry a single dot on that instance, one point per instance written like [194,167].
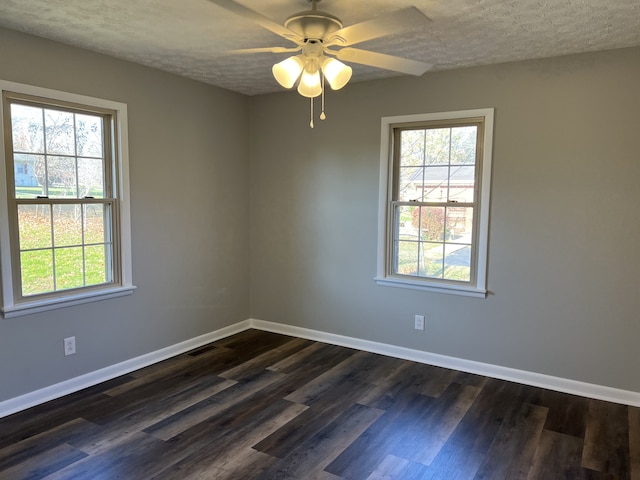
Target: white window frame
[10,307]
[477,287]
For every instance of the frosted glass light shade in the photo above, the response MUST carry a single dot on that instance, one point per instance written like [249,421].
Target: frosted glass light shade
[287,71]
[336,73]
[310,84]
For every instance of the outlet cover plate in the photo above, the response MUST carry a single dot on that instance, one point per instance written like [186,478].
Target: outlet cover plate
[69,346]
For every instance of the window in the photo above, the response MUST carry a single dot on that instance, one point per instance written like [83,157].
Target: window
[434,201]
[63,200]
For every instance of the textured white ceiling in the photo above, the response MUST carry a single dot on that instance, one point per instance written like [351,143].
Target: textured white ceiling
[189,37]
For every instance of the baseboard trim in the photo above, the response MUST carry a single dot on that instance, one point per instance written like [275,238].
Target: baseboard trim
[37,397]
[600,392]
[564,385]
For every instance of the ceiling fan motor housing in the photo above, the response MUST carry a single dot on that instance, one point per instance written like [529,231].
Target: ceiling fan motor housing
[313,25]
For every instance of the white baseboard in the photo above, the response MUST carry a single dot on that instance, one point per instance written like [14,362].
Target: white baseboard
[564,385]
[72,385]
[76,384]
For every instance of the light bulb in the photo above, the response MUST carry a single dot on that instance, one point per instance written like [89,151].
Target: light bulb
[336,73]
[310,84]
[287,71]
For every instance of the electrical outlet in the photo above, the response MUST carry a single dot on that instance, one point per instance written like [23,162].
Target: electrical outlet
[69,346]
[419,322]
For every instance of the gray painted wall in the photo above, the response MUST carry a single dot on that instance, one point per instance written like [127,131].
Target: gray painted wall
[563,258]
[190,214]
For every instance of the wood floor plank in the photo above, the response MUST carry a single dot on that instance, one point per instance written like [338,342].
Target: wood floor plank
[512,451]
[309,458]
[606,443]
[410,377]
[399,468]
[477,430]
[359,368]
[266,359]
[130,459]
[175,394]
[567,413]
[99,440]
[391,467]
[471,379]
[51,414]
[365,453]
[454,463]
[305,356]
[372,368]
[224,450]
[25,450]
[201,411]
[557,456]
[424,438]
[323,410]
[251,343]
[158,371]
[43,463]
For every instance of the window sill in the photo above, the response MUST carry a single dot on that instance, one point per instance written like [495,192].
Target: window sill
[448,289]
[28,308]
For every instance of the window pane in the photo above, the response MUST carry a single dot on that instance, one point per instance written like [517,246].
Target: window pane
[26,129]
[61,176]
[463,145]
[69,268]
[410,187]
[59,132]
[436,184]
[96,264]
[437,146]
[28,170]
[412,148]
[459,224]
[34,226]
[94,224]
[432,260]
[405,226]
[36,272]
[462,184]
[89,136]
[67,225]
[431,222]
[457,262]
[90,178]
[407,258]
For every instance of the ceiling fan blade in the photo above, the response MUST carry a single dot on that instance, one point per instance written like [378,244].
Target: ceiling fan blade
[264,50]
[380,60]
[396,22]
[258,18]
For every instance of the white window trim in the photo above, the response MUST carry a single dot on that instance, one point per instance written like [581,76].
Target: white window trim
[9,308]
[386,183]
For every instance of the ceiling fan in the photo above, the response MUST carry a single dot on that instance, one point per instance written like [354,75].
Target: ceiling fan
[321,41]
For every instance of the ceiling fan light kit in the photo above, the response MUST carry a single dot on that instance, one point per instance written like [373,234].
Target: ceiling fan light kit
[314,32]
[288,71]
[337,73]
[310,84]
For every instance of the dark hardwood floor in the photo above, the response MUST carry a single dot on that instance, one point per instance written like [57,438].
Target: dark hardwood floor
[259,405]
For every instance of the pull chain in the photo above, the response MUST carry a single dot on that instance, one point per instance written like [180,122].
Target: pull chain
[322,115]
[311,122]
